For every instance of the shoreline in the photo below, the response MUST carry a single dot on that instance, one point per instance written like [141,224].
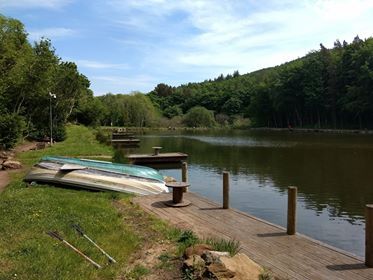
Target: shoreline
[317,130]
[298,130]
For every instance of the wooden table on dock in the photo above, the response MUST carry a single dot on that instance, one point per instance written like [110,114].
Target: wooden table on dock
[178,189]
[287,256]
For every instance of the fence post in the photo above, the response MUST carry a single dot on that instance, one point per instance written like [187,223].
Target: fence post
[292,210]
[225,190]
[369,235]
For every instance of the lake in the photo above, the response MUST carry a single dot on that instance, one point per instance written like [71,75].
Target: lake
[333,173]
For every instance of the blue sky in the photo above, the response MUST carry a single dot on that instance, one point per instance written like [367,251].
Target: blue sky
[132,45]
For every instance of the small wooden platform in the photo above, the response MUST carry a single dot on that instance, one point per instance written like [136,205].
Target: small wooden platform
[160,158]
[122,135]
[288,257]
[125,141]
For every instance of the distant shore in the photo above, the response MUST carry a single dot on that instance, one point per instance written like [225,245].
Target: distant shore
[301,130]
[317,130]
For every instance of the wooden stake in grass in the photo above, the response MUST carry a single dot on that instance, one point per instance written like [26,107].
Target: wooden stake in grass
[81,232]
[55,234]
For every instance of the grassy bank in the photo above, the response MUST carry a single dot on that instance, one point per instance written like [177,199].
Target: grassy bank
[27,213]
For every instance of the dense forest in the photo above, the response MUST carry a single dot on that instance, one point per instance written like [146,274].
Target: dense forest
[328,88]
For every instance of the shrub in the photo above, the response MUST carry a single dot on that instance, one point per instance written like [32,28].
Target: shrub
[11,129]
[59,133]
[172,111]
[199,117]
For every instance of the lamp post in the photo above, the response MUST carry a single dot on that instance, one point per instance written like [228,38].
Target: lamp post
[50,115]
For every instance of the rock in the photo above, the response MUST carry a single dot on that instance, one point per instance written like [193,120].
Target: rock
[3,155]
[220,254]
[6,155]
[169,179]
[243,266]
[12,164]
[219,271]
[197,249]
[196,263]
[210,258]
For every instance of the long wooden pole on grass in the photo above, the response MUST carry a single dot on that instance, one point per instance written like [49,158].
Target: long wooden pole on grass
[55,234]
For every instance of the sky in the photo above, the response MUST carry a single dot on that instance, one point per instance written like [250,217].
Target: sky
[132,45]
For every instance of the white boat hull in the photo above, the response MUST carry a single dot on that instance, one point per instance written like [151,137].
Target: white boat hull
[94,179]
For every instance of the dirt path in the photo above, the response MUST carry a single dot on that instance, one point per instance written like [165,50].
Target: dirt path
[4,175]
[4,179]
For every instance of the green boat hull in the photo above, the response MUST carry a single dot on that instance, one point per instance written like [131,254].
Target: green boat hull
[132,170]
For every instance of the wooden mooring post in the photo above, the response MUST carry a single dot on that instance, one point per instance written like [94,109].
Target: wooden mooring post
[184,173]
[225,190]
[292,210]
[369,235]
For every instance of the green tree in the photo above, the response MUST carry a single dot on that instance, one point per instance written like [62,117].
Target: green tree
[173,111]
[199,117]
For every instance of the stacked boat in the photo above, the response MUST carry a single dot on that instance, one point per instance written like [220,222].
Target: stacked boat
[97,175]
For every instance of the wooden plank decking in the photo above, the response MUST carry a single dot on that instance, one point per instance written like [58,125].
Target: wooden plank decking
[288,257]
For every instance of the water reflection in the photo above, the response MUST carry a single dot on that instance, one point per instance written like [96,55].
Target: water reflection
[332,173]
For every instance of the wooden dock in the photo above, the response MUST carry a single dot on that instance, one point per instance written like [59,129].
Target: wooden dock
[125,141]
[157,158]
[122,135]
[287,256]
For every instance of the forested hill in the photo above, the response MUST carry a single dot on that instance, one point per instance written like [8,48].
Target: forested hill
[328,88]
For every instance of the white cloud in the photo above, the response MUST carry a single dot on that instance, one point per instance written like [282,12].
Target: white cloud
[181,41]
[100,65]
[104,84]
[26,4]
[231,39]
[51,33]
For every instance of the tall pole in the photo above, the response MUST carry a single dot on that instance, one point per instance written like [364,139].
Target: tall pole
[50,114]
[51,120]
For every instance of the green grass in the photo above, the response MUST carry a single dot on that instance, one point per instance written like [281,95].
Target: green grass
[80,141]
[188,238]
[27,213]
[223,245]
[138,272]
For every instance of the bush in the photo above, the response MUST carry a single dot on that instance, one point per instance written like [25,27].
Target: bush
[240,122]
[199,117]
[11,129]
[172,111]
[39,133]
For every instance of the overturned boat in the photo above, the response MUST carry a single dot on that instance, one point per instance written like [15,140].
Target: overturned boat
[97,175]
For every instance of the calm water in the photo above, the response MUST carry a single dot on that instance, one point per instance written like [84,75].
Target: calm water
[333,173]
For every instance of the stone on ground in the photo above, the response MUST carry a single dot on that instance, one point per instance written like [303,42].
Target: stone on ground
[12,164]
[243,266]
